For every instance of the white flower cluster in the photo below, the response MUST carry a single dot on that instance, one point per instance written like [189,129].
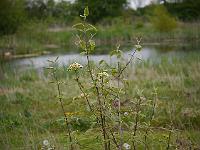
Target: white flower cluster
[103,74]
[75,66]
[126,146]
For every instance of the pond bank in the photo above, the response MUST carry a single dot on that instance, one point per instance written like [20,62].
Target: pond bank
[62,40]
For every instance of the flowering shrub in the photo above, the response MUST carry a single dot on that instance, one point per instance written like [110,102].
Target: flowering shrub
[119,117]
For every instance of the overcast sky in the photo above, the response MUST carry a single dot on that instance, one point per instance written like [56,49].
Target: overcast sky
[133,3]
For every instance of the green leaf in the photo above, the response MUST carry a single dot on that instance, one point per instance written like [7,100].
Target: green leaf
[91,27]
[51,61]
[138,47]
[79,26]
[86,11]
[56,59]
[83,53]
[101,62]
[112,53]
[49,67]
[114,71]
[117,53]
[92,44]
[82,44]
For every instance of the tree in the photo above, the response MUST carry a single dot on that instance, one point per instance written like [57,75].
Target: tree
[37,8]
[64,10]
[42,9]
[162,20]
[101,8]
[187,10]
[12,15]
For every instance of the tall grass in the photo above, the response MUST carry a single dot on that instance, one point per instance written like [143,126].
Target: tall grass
[40,37]
[29,111]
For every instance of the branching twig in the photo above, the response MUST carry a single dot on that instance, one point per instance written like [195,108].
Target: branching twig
[62,107]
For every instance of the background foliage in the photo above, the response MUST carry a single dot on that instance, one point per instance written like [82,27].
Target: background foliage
[15,13]
[12,14]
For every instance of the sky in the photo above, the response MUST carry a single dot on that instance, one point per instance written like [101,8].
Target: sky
[133,3]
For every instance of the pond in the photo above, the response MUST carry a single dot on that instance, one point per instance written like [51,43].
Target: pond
[152,52]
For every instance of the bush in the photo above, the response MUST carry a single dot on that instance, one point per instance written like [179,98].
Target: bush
[162,20]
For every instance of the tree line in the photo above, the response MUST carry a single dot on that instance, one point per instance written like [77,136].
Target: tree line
[15,12]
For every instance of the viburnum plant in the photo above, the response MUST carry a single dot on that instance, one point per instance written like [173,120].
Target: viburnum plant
[116,112]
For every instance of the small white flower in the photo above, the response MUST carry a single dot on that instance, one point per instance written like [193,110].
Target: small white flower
[125,113]
[142,98]
[126,146]
[82,95]
[45,142]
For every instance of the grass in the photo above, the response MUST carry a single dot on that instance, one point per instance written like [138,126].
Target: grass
[40,37]
[30,112]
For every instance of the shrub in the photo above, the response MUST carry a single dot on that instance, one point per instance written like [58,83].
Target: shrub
[162,20]
[122,119]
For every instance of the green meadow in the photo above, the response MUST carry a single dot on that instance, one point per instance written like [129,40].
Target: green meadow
[137,86]
[30,111]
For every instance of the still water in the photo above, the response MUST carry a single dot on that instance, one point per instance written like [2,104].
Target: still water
[149,52]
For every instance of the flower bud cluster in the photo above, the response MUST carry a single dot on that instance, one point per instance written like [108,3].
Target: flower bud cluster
[75,66]
[103,74]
